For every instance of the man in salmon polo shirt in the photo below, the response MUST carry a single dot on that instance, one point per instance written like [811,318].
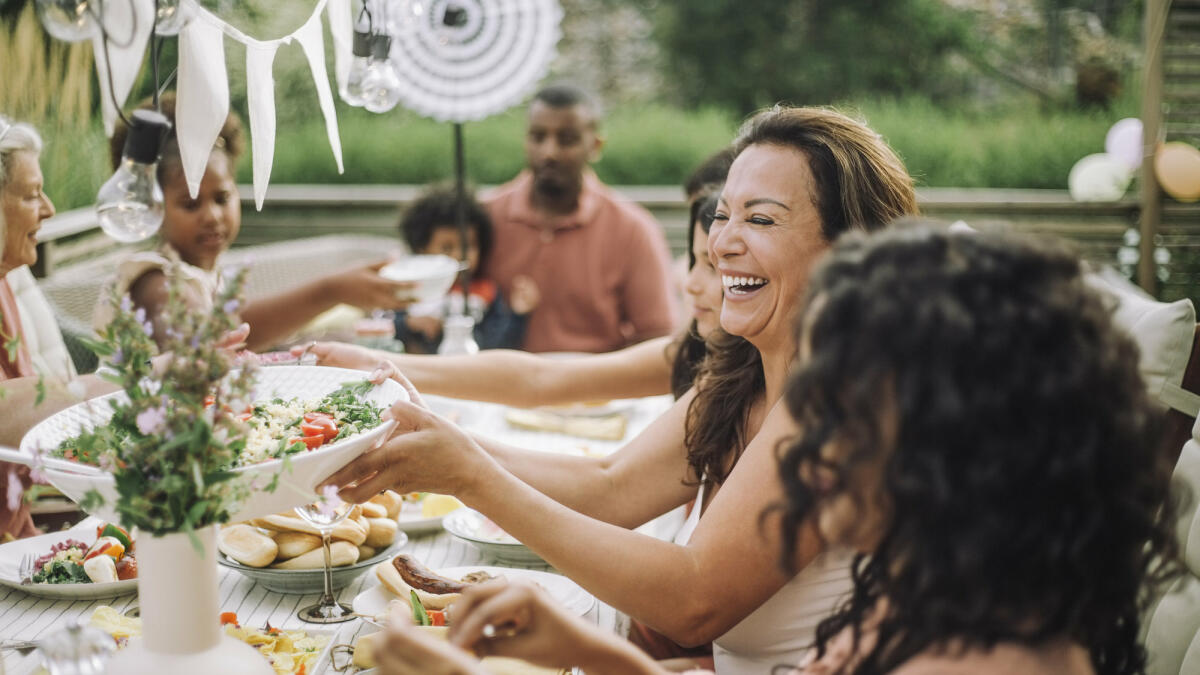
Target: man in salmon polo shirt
[600,261]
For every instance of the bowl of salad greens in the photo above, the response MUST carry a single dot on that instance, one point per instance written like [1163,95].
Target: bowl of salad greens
[305,423]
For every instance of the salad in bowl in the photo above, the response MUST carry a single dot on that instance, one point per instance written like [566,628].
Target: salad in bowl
[304,423]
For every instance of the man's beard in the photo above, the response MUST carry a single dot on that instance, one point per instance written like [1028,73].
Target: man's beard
[556,186]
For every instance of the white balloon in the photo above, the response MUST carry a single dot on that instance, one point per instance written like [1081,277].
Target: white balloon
[1099,178]
[1124,142]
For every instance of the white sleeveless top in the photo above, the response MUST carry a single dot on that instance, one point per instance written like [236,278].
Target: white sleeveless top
[782,629]
[39,330]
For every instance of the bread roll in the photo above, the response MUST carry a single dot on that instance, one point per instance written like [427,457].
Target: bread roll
[390,500]
[341,553]
[373,510]
[292,544]
[392,581]
[247,545]
[347,530]
[365,552]
[361,520]
[382,532]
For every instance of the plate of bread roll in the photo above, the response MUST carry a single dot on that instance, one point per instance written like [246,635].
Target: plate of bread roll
[284,554]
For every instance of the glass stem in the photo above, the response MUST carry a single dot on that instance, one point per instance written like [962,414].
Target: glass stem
[327,599]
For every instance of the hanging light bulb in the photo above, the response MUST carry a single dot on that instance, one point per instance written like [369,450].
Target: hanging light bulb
[381,86]
[67,20]
[129,205]
[171,17]
[353,93]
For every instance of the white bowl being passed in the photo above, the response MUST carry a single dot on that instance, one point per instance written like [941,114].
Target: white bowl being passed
[432,275]
[296,487]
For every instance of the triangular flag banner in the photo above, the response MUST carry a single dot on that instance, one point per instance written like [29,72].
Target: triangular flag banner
[312,40]
[203,97]
[341,30]
[260,95]
[126,50]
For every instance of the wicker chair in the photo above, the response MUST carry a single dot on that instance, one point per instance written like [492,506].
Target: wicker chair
[75,291]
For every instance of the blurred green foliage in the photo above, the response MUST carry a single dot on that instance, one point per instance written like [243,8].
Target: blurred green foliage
[1013,146]
[743,55]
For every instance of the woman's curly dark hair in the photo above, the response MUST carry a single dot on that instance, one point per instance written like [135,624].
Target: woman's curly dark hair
[1022,497]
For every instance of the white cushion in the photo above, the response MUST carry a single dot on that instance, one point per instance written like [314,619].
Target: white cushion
[1172,624]
[1163,332]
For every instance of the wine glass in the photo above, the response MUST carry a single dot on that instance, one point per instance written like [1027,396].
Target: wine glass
[324,514]
[76,650]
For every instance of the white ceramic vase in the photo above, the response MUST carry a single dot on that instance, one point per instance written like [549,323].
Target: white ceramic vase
[181,631]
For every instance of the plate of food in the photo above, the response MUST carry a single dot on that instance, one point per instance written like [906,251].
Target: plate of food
[91,560]
[284,553]
[305,423]
[478,530]
[423,512]
[403,576]
[289,652]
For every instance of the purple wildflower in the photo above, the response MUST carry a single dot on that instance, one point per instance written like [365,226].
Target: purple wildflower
[126,303]
[118,356]
[15,490]
[231,306]
[140,315]
[330,501]
[152,420]
[147,329]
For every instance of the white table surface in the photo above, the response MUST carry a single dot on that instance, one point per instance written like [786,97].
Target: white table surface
[25,617]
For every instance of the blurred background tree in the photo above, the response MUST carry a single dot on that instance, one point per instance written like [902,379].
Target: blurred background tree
[972,93]
[744,55]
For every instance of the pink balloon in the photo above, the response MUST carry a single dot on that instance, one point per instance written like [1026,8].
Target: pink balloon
[1177,165]
[1124,142]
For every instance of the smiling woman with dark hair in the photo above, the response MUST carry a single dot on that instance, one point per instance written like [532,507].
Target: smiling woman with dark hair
[974,425]
[969,420]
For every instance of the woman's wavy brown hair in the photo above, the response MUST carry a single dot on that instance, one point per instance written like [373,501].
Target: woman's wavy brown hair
[859,183]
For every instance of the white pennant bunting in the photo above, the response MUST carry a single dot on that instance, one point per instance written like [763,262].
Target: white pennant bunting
[133,21]
[260,98]
[341,30]
[312,40]
[202,97]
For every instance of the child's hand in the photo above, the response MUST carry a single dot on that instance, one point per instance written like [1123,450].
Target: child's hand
[429,326]
[525,295]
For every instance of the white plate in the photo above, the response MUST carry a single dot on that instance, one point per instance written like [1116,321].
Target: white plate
[419,525]
[374,601]
[472,527]
[308,468]
[605,409]
[10,564]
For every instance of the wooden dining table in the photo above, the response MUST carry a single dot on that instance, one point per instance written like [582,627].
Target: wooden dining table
[26,617]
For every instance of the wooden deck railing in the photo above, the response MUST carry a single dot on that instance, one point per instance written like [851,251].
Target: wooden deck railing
[294,211]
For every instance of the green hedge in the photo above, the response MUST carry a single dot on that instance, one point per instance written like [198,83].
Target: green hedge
[1003,147]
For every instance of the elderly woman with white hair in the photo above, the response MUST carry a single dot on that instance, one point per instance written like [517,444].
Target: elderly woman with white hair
[32,344]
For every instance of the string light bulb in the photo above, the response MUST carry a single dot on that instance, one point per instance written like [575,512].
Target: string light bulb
[129,205]
[354,94]
[171,17]
[67,20]
[380,85]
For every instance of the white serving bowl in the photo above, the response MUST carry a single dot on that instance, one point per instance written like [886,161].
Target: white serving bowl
[311,580]
[295,487]
[432,274]
[472,527]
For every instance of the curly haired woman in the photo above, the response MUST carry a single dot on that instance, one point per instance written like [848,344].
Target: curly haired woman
[976,428]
